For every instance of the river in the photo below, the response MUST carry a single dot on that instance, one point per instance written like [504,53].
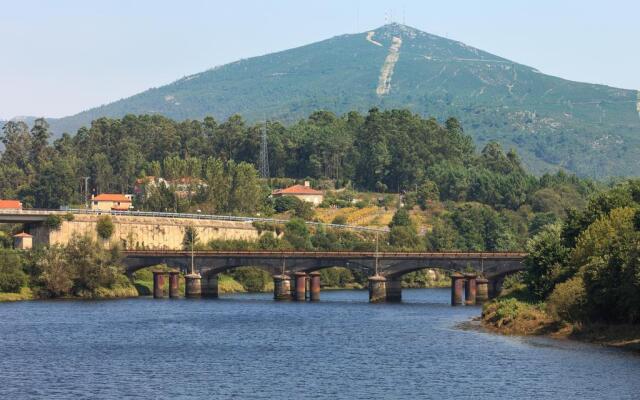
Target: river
[248,346]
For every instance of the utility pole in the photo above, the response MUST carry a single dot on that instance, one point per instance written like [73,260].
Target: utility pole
[193,270]
[264,154]
[86,191]
[377,256]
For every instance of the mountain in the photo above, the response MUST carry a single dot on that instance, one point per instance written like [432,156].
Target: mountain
[593,130]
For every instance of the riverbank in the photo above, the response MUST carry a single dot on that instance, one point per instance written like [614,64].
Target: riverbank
[115,292]
[24,294]
[509,316]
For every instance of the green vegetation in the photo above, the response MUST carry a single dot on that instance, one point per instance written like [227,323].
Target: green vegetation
[53,222]
[210,166]
[592,130]
[581,273]
[105,227]
[82,268]
[12,275]
[252,279]
[190,239]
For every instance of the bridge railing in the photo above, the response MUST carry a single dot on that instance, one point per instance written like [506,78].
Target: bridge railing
[294,253]
[211,217]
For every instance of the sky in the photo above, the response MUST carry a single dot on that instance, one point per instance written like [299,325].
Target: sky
[58,58]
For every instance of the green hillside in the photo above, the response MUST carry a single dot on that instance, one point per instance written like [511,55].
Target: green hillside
[592,130]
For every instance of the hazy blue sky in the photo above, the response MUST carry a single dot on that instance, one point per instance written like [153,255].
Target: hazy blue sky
[60,57]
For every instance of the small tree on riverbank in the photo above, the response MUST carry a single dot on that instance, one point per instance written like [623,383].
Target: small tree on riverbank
[12,277]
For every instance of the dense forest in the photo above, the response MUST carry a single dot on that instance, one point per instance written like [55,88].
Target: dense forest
[581,271]
[390,151]
[475,200]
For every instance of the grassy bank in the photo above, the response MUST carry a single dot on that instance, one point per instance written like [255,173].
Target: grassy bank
[25,294]
[513,313]
[118,290]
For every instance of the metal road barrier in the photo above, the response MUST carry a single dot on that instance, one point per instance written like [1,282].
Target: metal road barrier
[210,217]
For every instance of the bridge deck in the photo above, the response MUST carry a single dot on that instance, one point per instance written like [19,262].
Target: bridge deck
[327,254]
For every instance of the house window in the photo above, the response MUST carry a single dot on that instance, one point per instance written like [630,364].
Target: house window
[95,203]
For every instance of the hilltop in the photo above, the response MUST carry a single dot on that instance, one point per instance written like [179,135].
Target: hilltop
[589,129]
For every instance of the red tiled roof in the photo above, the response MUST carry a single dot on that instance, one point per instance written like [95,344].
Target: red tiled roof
[298,189]
[111,197]
[10,204]
[22,235]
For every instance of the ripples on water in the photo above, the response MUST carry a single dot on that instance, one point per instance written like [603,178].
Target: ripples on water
[247,346]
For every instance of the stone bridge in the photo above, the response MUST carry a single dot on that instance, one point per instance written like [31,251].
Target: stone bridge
[385,269]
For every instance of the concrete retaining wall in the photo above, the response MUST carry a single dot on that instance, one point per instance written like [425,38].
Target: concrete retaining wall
[145,232]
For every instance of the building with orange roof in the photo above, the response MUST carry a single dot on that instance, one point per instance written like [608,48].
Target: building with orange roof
[303,192]
[10,205]
[111,201]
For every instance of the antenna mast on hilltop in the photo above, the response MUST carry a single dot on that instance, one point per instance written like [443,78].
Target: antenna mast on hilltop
[264,154]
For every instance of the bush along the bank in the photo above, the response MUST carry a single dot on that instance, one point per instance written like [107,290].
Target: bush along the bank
[583,271]
[82,268]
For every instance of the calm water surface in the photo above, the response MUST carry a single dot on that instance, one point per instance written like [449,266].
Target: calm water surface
[247,346]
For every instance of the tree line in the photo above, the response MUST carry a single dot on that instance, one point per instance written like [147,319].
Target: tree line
[585,268]
[383,151]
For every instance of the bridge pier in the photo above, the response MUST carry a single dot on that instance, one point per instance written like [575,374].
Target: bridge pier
[174,285]
[158,284]
[314,286]
[300,293]
[209,286]
[482,291]
[394,290]
[281,287]
[470,289]
[457,283]
[377,289]
[192,286]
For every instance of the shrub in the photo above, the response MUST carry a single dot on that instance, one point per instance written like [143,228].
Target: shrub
[546,261]
[251,278]
[403,237]
[304,210]
[145,274]
[268,241]
[567,302]
[53,222]
[362,204]
[68,217]
[190,238]
[12,277]
[336,277]
[339,220]
[56,277]
[105,227]
[6,241]
[427,192]
[92,265]
[285,203]
[401,218]
[297,234]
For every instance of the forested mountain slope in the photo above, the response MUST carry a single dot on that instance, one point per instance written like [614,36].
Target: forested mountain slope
[592,130]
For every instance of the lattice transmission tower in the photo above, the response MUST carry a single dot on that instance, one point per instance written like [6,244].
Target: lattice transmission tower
[264,154]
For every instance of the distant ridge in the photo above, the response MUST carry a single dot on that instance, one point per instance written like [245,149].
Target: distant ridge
[589,129]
